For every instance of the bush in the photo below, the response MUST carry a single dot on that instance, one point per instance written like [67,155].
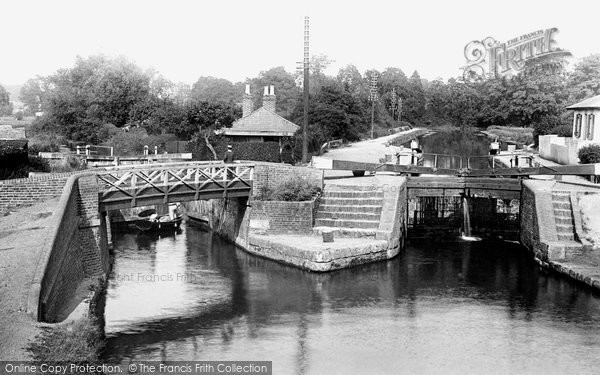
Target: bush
[563,130]
[255,151]
[37,164]
[69,163]
[50,142]
[589,154]
[295,189]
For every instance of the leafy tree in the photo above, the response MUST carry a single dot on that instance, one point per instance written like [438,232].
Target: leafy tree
[286,90]
[539,96]
[5,104]
[33,95]
[352,81]
[463,106]
[96,91]
[202,119]
[584,80]
[414,101]
[334,113]
[211,89]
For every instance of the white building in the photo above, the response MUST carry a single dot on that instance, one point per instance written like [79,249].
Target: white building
[564,150]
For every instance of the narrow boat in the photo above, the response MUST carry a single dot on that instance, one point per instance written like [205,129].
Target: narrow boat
[150,222]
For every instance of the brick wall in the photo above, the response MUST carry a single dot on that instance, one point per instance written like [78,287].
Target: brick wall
[268,175]
[77,249]
[26,191]
[281,217]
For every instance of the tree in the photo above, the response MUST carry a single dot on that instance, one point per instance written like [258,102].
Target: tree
[539,95]
[584,80]
[352,81]
[414,101]
[211,89]
[96,91]
[202,119]
[286,90]
[5,104]
[463,105]
[334,113]
[33,95]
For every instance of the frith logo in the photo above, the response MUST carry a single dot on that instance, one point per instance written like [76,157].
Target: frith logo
[489,57]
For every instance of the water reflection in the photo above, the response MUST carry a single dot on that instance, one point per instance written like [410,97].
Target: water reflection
[452,149]
[438,307]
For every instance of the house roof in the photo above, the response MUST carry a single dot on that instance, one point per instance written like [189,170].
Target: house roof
[262,122]
[593,102]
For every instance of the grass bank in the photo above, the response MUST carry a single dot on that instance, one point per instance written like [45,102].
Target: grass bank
[77,342]
[511,134]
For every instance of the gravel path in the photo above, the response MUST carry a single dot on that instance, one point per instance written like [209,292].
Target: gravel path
[22,235]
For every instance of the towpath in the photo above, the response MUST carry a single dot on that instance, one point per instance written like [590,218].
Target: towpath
[22,235]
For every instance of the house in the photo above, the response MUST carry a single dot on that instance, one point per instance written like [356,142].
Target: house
[263,124]
[584,118]
[564,150]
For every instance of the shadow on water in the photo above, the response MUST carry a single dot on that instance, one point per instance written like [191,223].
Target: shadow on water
[231,299]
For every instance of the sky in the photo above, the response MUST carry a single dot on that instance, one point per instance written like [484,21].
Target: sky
[184,40]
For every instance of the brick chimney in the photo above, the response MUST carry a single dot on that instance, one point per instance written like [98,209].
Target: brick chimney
[269,98]
[247,105]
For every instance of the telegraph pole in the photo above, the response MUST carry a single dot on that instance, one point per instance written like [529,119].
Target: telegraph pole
[399,109]
[393,102]
[305,88]
[373,97]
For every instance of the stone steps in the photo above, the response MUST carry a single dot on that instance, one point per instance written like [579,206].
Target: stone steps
[367,209]
[564,220]
[363,224]
[352,194]
[565,237]
[562,213]
[562,205]
[346,232]
[564,228]
[351,209]
[352,188]
[352,201]
[559,197]
[348,215]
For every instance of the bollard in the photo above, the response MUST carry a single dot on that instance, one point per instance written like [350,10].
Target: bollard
[327,235]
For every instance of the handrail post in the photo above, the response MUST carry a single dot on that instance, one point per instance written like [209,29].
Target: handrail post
[87,150]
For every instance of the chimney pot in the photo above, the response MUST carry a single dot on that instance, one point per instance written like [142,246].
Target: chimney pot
[266,92]
[272,90]
[247,89]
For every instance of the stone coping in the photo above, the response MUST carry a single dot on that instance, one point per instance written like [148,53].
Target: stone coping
[309,252]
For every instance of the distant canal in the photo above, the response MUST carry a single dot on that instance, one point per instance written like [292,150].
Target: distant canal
[439,307]
[452,149]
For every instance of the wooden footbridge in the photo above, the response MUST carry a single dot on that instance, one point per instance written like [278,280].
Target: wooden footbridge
[124,188]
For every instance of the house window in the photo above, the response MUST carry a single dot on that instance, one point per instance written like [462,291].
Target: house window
[590,127]
[577,130]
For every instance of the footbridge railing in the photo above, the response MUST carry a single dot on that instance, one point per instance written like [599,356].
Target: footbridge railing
[124,188]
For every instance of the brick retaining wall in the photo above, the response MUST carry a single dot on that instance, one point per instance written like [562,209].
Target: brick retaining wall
[270,175]
[77,248]
[27,191]
[281,217]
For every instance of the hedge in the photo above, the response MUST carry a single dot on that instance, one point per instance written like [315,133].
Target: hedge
[256,151]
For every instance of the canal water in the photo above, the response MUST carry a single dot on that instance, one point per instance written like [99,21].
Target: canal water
[439,307]
[454,150]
